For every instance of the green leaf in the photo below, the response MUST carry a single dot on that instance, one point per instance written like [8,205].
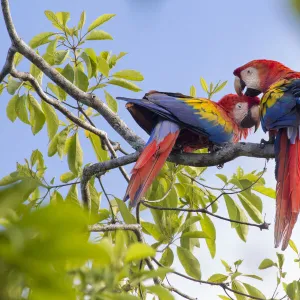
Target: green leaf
[54,20]
[129,75]
[195,234]
[51,119]
[126,214]
[189,262]
[68,73]
[11,108]
[52,148]
[253,276]
[11,178]
[232,209]
[222,177]
[61,141]
[224,297]
[102,66]
[66,177]
[60,56]
[21,109]
[188,222]
[49,56]
[266,263]
[217,278]
[100,20]
[192,91]
[37,117]
[293,291]
[17,59]
[209,228]
[152,230]
[101,154]
[75,154]
[37,158]
[293,246]
[72,195]
[242,230]
[253,291]
[40,39]
[220,87]
[265,191]
[81,80]
[36,73]
[237,286]
[280,259]
[56,197]
[203,84]
[167,257]
[82,20]
[252,211]
[111,102]
[88,64]
[125,84]
[63,17]
[161,292]
[98,35]
[12,85]
[226,265]
[138,251]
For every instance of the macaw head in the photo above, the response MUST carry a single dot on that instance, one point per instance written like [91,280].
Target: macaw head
[243,110]
[258,75]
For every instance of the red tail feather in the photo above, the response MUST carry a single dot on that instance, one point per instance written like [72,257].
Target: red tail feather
[148,166]
[287,189]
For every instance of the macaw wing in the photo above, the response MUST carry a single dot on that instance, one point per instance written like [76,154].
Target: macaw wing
[279,105]
[198,114]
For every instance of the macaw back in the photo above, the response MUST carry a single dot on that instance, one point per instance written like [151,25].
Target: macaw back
[280,113]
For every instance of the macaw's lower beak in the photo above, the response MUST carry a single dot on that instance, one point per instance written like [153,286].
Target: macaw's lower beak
[252,118]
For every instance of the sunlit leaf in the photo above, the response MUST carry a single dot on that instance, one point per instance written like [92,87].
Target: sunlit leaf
[98,35]
[40,39]
[138,251]
[266,263]
[217,278]
[21,109]
[100,20]
[11,108]
[111,102]
[75,154]
[125,84]
[37,117]
[129,75]
[189,262]
[162,293]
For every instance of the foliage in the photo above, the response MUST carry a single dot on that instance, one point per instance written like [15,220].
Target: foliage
[47,251]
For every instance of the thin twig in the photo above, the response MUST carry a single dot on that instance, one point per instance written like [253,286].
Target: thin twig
[205,211]
[113,219]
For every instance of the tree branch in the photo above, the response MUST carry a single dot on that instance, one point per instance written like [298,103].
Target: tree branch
[227,153]
[8,63]
[88,99]
[222,285]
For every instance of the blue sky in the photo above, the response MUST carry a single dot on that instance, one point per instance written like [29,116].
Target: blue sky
[173,43]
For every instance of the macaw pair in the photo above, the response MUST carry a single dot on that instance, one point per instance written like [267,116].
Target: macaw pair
[180,122]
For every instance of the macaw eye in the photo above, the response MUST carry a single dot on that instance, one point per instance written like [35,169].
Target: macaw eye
[239,105]
[249,72]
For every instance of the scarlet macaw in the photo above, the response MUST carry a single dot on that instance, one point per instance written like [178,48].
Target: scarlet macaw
[279,108]
[176,121]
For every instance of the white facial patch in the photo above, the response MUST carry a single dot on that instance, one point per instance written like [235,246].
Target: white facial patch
[251,78]
[240,111]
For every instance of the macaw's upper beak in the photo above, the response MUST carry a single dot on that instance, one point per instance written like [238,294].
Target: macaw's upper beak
[252,118]
[239,85]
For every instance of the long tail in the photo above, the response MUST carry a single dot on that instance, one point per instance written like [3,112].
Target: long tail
[287,155]
[156,152]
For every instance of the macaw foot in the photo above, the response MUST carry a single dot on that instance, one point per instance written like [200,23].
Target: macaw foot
[263,142]
[214,148]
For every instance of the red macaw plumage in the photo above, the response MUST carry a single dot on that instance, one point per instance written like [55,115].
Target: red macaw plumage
[279,109]
[176,121]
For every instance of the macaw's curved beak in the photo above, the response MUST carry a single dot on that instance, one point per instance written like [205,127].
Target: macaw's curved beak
[239,86]
[252,118]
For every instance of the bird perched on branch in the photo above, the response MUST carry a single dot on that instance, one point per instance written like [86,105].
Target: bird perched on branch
[280,107]
[177,121]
